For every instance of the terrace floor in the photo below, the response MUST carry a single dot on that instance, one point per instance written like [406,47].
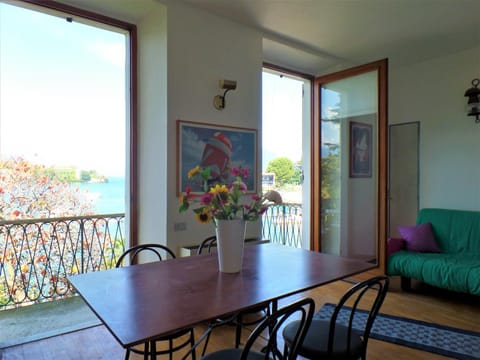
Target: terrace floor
[30,323]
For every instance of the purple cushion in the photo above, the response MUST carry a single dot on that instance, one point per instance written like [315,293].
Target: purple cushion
[419,238]
[394,245]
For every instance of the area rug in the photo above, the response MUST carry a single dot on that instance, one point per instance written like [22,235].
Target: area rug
[443,340]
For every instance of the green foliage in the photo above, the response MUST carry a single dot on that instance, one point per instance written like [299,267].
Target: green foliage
[85,176]
[67,174]
[331,176]
[297,177]
[283,169]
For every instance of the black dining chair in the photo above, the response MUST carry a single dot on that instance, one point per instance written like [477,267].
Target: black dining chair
[157,252]
[242,319]
[302,310]
[331,339]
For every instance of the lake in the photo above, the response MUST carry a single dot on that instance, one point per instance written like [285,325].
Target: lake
[109,197]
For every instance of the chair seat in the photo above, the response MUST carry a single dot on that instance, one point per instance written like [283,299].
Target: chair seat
[316,341]
[233,354]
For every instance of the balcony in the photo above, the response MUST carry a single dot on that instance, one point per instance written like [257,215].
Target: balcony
[37,255]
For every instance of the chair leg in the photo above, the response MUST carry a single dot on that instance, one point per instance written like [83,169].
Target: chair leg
[206,342]
[146,351]
[192,344]
[238,330]
[127,354]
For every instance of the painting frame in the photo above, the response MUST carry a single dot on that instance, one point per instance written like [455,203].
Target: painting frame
[360,158]
[192,140]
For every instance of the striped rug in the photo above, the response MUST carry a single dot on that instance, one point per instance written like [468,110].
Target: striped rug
[434,338]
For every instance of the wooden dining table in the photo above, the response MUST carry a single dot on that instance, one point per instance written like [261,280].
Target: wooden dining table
[141,302]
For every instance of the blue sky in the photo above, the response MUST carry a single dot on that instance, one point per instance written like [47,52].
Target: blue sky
[62,91]
[62,95]
[282,118]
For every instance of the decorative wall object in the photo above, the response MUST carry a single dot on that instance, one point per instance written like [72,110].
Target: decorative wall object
[220,148]
[360,150]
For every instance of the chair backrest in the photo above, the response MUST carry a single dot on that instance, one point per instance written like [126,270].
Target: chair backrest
[207,245]
[161,252]
[301,310]
[358,297]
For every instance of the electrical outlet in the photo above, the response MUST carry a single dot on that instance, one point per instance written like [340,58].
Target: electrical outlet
[180,226]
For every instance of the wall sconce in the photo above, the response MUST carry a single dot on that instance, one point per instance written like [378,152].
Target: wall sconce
[219,100]
[473,104]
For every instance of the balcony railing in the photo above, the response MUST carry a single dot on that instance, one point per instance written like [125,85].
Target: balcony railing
[282,224]
[37,255]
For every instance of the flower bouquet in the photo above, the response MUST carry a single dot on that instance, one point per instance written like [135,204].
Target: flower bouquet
[222,201]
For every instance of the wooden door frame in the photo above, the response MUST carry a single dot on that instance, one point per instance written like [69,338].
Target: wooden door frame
[381,67]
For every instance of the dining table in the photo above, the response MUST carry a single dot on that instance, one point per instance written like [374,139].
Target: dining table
[141,302]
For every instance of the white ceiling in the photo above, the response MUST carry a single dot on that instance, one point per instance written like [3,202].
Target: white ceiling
[320,36]
[317,36]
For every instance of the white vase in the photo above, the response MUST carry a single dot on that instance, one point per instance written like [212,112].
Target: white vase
[230,242]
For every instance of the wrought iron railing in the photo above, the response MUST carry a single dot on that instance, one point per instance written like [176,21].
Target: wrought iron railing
[37,255]
[282,224]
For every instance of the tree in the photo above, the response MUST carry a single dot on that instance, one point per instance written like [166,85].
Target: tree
[29,191]
[283,169]
[37,255]
[297,177]
[331,177]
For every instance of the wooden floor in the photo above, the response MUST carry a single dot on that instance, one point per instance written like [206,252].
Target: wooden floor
[424,303]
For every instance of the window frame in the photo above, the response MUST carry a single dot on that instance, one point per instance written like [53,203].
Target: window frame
[131,85]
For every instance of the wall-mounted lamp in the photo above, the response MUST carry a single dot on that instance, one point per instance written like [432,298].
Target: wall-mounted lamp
[473,104]
[219,100]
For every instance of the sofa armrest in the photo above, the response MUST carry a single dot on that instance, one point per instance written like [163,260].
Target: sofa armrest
[394,245]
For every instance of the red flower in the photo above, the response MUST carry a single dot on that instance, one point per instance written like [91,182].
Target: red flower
[188,193]
[206,199]
[235,171]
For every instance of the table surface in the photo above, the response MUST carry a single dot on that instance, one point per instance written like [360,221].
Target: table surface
[140,302]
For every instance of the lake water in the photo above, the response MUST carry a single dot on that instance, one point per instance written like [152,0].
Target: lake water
[108,197]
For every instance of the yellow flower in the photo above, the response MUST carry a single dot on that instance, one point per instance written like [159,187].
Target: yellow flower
[204,217]
[193,172]
[218,189]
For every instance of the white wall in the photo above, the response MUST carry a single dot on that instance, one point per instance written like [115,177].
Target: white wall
[152,122]
[432,93]
[202,49]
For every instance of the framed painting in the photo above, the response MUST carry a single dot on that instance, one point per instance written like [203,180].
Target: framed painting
[360,150]
[218,147]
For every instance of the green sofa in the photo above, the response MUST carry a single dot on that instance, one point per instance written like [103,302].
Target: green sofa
[457,266]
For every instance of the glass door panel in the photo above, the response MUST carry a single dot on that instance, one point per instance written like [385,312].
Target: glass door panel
[349,176]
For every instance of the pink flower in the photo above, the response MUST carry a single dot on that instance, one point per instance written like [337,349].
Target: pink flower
[245,173]
[206,199]
[255,197]
[235,171]
[243,187]
[262,210]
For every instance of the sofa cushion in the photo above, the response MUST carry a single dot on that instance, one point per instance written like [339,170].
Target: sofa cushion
[394,245]
[456,231]
[419,238]
[455,272]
